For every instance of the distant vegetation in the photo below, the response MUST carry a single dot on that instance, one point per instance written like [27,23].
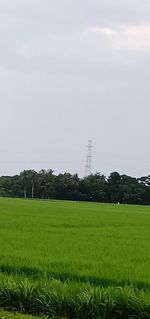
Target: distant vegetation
[96,187]
[74,260]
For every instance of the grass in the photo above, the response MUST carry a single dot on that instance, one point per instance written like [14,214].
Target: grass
[75,260]
[12,315]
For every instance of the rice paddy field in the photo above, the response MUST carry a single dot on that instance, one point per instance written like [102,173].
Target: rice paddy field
[74,260]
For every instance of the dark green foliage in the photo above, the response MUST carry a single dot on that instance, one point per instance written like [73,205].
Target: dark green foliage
[96,187]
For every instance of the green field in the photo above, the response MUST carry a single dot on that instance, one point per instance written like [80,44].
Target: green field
[75,260]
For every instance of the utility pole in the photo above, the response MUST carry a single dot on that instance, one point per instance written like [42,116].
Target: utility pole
[32,183]
[88,158]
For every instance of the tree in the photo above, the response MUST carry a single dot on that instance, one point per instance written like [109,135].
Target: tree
[113,190]
[96,187]
[93,187]
[23,177]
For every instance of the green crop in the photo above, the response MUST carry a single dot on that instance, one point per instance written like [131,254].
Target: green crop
[74,260]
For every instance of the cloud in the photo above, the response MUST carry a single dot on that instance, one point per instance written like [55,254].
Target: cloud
[127,37]
[105,31]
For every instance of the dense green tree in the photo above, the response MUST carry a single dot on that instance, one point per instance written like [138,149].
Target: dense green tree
[95,187]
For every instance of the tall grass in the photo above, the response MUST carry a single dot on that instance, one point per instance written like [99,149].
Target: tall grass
[72,300]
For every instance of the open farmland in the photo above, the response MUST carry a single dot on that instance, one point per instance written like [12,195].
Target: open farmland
[75,260]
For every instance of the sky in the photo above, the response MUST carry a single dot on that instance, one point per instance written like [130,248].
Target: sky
[72,71]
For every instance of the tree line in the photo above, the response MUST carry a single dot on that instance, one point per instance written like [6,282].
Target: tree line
[95,187]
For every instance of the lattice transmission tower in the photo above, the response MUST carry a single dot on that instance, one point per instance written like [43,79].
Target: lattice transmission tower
[88,158]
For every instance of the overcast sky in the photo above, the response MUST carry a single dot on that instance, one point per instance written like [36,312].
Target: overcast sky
[72,71]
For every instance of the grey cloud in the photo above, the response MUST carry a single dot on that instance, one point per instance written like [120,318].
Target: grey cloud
[61,86]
